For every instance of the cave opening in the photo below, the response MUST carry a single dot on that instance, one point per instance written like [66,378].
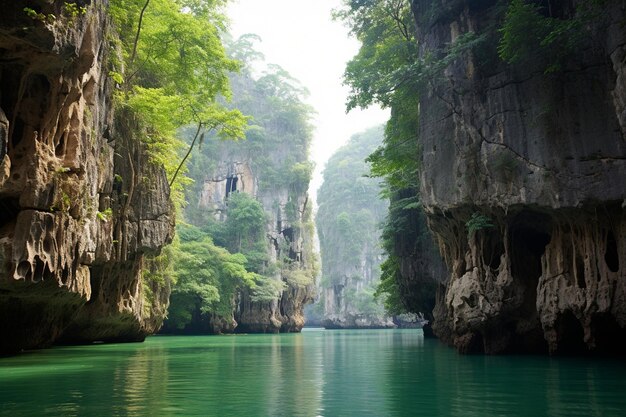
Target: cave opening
[229,182]
[10,208]
[611,256]
[609,336]
[38,91]
[17,133]
[95,279]
[65,275]
[473,343]
[24,270]
[528,237]
[294,256]
[528,243]
[288,234]
[42,270]
[59,149]
[493,249]
[338,295]
[570,335]
[231,185]
[10,76]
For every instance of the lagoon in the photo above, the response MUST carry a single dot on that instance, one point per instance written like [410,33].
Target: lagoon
[314,373]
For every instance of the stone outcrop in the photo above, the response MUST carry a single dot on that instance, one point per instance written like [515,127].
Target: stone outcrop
[82,208]
[537,163]
[230,177]
[286,237]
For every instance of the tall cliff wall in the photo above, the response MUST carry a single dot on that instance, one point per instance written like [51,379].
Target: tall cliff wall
[250,198]
[82,208]
[542,156]
[348,224]
[288,242]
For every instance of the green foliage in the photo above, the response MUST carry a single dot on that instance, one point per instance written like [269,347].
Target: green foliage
[174,70]
[158,273]
[243,233]
[73,10]
[349,207]
[105,216]
[406,237]
[208,277]
[279,132]
[533,32]
[266,289]
[388,71]
[244,228]
[385,62]
[364,301]
[477,222]
[171,71]
[300,174]
[388,289]
[278,138]
[41,17]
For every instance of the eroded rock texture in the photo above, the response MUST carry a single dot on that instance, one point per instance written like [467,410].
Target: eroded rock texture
[77,215]
[543,156]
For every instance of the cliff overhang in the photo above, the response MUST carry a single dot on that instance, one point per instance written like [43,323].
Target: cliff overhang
[522,182]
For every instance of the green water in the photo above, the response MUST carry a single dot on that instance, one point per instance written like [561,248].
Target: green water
[316,373]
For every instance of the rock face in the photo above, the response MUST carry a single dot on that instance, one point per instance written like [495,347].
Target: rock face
[542,158]
[77,222]
[286,212]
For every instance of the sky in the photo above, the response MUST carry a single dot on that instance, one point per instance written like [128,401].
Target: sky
[301,37]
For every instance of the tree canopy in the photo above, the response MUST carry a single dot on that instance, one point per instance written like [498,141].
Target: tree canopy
[172,70]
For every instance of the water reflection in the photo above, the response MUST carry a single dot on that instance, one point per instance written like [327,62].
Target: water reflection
[316,373]
[353,373]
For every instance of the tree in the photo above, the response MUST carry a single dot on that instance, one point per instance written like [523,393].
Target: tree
[207,278]
[172,71]
[243,231]
[387,71]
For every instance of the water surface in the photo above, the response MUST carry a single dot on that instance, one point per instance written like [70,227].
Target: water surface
[316,373]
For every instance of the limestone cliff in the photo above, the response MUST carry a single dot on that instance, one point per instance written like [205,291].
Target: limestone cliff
[535,164]
[269,168]
[347,221]
[81,206]
[288,244]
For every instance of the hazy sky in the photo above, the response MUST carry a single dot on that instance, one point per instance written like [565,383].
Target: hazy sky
[300,36]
